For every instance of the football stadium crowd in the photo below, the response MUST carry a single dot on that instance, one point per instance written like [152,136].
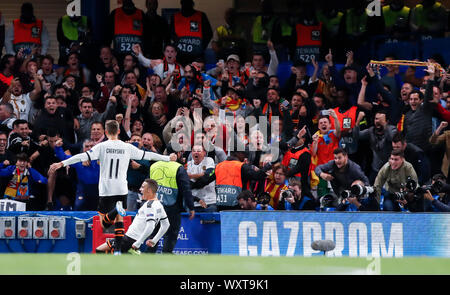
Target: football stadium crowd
[294,117]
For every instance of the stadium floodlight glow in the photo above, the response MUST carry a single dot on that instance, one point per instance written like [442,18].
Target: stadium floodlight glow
[24,227]
[7,227]
[57,228]
[40,228]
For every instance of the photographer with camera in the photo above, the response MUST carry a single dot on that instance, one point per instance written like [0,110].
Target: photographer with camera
[341,172]
[437,198]
[395,181]
[247,201]
[293,199]
[358,198]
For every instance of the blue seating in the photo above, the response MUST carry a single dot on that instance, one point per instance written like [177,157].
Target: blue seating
[283,72]
[402,50]
[433,46]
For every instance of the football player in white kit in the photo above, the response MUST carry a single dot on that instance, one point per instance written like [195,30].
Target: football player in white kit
[114,157]
[144,223]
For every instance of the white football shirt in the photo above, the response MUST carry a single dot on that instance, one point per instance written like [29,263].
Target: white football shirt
[208,192]
[114,157]
[150,211]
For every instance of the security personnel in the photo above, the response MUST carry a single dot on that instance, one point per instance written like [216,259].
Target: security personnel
[262,28]
[191,32]
[347,117]
[156,31]
[73,33]
[126,25]
[429,18]
[396,17]
[27,32]
[229,38]
[307,36]
[174,192]
[331,19]
[298,161]
[232,176]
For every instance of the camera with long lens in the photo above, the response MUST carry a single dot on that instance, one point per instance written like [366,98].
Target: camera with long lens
[328,201]
[434,188]
[263,199]
[405,188]
[360,191]
[346,194]
[411,187]
[287,194]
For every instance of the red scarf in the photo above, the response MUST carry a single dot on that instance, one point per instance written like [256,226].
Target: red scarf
[6,80]
[177,67]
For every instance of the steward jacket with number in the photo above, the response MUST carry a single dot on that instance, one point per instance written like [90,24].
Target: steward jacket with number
[184,197]
[205,32]
[248,173]
[300,167]
[24,35]
[114,29]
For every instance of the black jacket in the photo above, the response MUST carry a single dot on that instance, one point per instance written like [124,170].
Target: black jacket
[342,179]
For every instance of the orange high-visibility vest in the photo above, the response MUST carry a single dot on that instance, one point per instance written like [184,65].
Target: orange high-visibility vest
[290,159]
[309,41]
[27,35]
[347,120]
[228,182]
[128,30]
[189,33]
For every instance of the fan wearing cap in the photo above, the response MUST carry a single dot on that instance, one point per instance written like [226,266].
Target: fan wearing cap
[232,100]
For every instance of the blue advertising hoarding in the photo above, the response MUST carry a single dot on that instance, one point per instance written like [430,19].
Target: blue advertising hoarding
[356,234]
[196,237]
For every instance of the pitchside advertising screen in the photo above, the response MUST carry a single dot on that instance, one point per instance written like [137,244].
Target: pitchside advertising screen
[265,233]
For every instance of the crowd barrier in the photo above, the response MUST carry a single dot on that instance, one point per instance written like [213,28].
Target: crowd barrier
[248,233]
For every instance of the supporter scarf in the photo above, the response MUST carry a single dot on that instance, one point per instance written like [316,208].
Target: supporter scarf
[6,80]
[240,77]
[326,137]
[17,188]
[274,191]
[177,67]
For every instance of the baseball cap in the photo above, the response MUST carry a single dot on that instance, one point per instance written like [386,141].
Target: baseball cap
[233,56]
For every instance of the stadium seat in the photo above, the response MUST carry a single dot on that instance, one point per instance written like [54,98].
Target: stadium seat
[401,50]
[210,56]
[283,72]
[436,46]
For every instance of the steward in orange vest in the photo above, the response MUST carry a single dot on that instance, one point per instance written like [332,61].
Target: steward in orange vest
[127,23]
[308,37]
[232,177]
[191,32]
[298,161]
[27,32]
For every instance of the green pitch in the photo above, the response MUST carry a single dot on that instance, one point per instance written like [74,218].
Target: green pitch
[146,264]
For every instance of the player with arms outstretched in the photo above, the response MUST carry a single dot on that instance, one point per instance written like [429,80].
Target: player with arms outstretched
[114,156]
[144,223]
